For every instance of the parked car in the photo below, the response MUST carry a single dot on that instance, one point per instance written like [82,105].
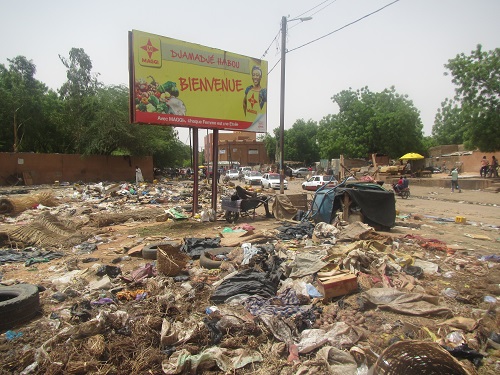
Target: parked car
[253,178]
[317,181]
[433,169]
[272,181]
[232,174]
[300,172]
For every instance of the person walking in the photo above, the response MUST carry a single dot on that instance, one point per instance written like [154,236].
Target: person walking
[138,175]
[484,166]
[454,181]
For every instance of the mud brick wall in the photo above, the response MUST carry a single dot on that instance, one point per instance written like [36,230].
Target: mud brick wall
[39,169]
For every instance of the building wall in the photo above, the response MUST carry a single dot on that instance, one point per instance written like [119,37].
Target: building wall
[48,168]
[456,156]
[239,147]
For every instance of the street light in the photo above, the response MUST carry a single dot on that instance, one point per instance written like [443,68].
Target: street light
[282,99]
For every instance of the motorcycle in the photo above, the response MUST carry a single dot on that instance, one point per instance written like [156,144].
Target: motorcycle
[402,192]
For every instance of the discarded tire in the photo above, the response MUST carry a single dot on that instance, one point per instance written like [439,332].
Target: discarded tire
[231,216]
[150,251]
[18,304]
[207,262]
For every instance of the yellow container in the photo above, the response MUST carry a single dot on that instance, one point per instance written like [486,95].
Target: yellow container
[460,220]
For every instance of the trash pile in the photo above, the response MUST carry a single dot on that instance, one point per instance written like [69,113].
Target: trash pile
[301,298]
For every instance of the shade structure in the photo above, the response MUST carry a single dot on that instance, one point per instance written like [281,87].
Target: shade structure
[411,156]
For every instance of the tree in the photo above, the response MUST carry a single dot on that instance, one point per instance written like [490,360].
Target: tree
[450,124]
[368,122]
[77,94]
[86,117]
[301,143]
[270,144]
[23,112]
[477,77]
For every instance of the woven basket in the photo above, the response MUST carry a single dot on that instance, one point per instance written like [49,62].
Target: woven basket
[416,358]
[170,259]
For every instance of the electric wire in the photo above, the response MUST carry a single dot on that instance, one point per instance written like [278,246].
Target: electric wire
[319,10]
[343,27]
[274,66]
[270,44]
[307,11]
[334,31]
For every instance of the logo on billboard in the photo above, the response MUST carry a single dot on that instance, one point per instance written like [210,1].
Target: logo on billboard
[150,52]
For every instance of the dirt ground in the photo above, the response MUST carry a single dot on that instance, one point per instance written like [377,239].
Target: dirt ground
[429,212]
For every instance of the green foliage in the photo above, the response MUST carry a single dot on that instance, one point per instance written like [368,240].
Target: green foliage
[449,124]
[301,142]
[85,117]
[429,142]
[367,122]
[477,115]
[24,116]
[270,144]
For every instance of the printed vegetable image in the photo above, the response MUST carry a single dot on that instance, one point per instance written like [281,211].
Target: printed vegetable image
[158,98]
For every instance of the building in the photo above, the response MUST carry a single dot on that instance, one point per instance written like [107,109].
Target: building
[237,147]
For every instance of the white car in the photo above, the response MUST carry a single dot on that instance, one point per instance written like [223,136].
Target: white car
[253,178]
[317,181]
[233,174]
[272,181]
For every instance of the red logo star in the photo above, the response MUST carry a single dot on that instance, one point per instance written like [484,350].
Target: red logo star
[252,100]
[149,48]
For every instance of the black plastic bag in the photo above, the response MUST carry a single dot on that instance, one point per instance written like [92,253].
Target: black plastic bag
[195,246]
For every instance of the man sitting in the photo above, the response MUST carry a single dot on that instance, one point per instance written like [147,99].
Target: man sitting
[399,186]
[405,183]
[245,194]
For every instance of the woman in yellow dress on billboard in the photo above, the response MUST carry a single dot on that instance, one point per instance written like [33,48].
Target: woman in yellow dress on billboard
[255,95]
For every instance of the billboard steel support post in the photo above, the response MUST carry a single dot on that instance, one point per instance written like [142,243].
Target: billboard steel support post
[195,170]
[215,167]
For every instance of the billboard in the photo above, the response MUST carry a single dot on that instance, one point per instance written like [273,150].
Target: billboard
[184,84]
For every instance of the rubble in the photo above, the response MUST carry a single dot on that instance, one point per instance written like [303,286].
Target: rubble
[285,298]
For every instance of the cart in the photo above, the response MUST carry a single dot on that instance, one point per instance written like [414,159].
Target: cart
[245,207]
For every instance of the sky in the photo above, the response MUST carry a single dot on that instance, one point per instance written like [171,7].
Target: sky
[404,45]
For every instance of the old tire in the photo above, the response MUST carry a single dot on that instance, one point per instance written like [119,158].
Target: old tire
[231,216]
[18,304]
[150,251]
[207,262]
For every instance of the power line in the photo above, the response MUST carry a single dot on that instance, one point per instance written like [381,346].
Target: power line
[307,11]
[274,66]
[334,31]
[343,27]
[270,44]
[319,10]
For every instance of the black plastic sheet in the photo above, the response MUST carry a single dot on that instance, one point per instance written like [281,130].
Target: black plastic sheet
[195,246]
[297,231]
[249,282]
